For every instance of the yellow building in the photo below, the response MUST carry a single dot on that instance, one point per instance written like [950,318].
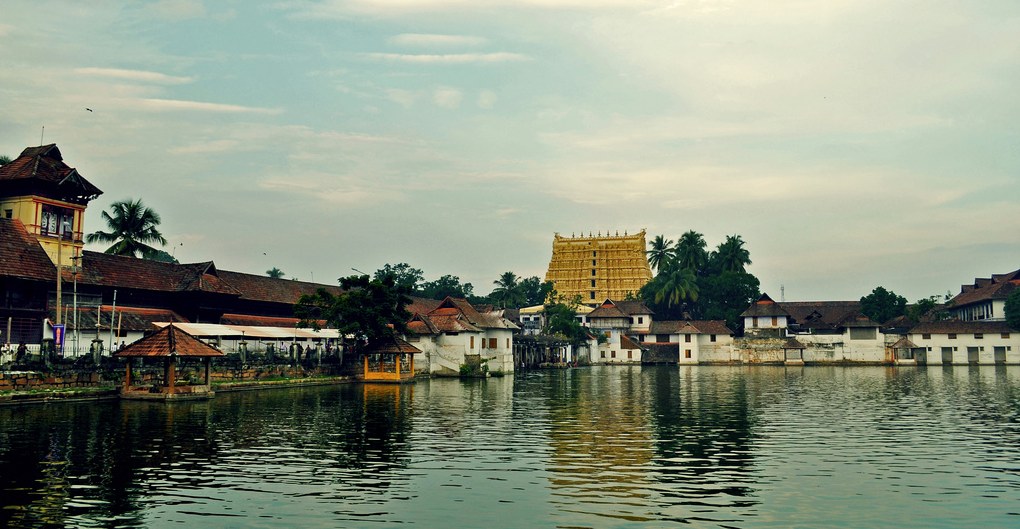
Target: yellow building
[599,267]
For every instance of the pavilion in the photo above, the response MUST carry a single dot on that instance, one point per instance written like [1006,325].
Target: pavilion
[172,345]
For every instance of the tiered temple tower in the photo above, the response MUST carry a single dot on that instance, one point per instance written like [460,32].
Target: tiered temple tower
[599,267]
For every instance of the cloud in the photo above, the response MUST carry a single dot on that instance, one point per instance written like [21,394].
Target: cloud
[200,106]
[454,58]
[341,9]
[134,75]
[447,97]
[178,9]
[434,40]
[404,98]
[217,146]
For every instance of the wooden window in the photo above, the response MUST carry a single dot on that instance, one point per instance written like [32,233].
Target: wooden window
[508,343]
[687,338]
[712,338]
[612,354]
[754,322]
[472,342]
[952,336]
[603,354]
[1004,336]
[775,321]
[687,353]
[979,336]
[640,320]
[926,336]
[630,355]
[492,343]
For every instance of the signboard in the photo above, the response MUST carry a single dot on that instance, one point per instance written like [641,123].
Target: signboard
[58,336]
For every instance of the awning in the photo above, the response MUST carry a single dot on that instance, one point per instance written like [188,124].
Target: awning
[215,330]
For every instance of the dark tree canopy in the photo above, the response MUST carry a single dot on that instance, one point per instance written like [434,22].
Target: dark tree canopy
[448,285]
[560,319]
[1013,309]
[536,291]
[726,296]
[403,275]
[274,273]
[883,305]
[370,310]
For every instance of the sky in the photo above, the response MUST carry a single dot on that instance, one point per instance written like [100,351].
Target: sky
[851,144]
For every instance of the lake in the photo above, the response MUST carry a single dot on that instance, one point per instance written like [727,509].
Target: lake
[607,446]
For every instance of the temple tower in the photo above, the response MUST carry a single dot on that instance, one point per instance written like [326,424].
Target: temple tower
[599,267]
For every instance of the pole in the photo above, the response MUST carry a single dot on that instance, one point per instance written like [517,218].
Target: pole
[60,280]
[113,312]
[75,302]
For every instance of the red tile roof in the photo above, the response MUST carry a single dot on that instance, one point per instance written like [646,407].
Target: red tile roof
[394,346]
[961,327]
[690,327]
[260,321]
[21,256]
[169,340]
[999,286]
[136,319]
[44,165]
[264,288]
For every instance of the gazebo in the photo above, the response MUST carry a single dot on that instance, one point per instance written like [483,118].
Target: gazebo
[793,352]
[391,360]
[171,344]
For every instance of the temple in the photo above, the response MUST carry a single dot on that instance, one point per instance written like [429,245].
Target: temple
[597,268]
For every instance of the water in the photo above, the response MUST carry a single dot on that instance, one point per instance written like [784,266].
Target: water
[599,447]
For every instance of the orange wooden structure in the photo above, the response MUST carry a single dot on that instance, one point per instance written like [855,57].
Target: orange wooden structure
[390,361]
[171,344]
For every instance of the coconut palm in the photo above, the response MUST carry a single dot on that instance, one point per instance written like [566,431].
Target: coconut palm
[274,273]
[508,292]
[731,256]
[4,159]
[675,285]
[661,252]
[132,230]
[690,251]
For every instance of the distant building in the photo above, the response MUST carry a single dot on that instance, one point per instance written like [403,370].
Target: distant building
[595,268]
[985,298]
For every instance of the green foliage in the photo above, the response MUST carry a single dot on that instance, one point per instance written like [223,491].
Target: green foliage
[448,285]
[1013,309]
[661,252]
[508,292]
[402,275]
[535,291]
[726,296]
[4,159]
[730,256]
[690,252]
[369,310]
[274,273]
[883,305]
[927,309]
[673,286]
[560,319]
[132,229]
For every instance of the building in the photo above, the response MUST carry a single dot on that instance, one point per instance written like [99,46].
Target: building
[985,298]
[622,323]
[960,342]
[689,342]
[451,333]
[595,268]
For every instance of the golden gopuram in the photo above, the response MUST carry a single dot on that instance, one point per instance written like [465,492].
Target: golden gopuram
[598,267]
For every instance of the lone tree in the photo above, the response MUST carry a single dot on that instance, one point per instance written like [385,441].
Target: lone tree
[1013,309]
[132,230]
[883,305]
[274,273]
[367,310]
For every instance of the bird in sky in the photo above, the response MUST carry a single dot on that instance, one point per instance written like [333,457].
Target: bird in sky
[89,109]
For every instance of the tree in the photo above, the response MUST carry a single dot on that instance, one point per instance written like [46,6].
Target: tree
[690,252]
[535,291]
[731,256]
[4,159]
[883,305]
[508,293]
[725,296]
[274,273]
[560,319]
[927,309]
[1013,309]
[368,310]
[132,228]
[447,285]
[674,286]
[403,276]
[661,252]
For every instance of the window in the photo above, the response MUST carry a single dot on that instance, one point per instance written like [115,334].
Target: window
[472,342]
[594,254]
[640,320]
[754,322]
[593,263]
[775,321]
[593,272]
[592,283]
[952,336]
[8,213]
[630,355]
[591,295]
[979,336]
[603,354]
[508,343]
[54,221]
[926,336]
[712,338]
[1004,336]
[483,343]
[493,343]
[687,338]
[632,320]
[687,353]
[863,333]
[612,354]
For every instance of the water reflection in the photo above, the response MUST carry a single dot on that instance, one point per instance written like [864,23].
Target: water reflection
[601,447]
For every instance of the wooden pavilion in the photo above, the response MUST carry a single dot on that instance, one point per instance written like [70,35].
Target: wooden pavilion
[391,360]
[172,345]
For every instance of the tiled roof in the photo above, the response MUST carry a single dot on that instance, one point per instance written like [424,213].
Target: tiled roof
[765,306]
[633,308]
[265,288]
[793,343]
[904,343]
[166,341]
[260,321]
[999,286]
[394,346]
[422,305]
[45,165]
[690,327]
[21,256]
[627,343]
[961,327]
[135,319]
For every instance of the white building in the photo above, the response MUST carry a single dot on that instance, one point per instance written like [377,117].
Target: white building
[451,333]
[960,342]
[689,342]
[620,322]
[985,299]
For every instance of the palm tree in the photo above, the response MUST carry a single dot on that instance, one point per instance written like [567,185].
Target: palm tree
[662,250]
[690,251]
[731,256]
[508,291]
[132,229]
[675,286]
[4,159]
[274,273]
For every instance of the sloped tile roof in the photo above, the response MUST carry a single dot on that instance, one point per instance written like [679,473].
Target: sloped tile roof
[999,286]
[44,164]
[137,319]
[393,345]
[265,288]
[627,343]
[169,340]
[260,321]
[690,327]
[962,327]
[765,306]
[21,256]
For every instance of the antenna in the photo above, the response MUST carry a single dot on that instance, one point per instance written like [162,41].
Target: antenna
[41,134]
[782,293]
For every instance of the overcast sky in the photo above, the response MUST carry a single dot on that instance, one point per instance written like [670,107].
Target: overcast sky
[851,143]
